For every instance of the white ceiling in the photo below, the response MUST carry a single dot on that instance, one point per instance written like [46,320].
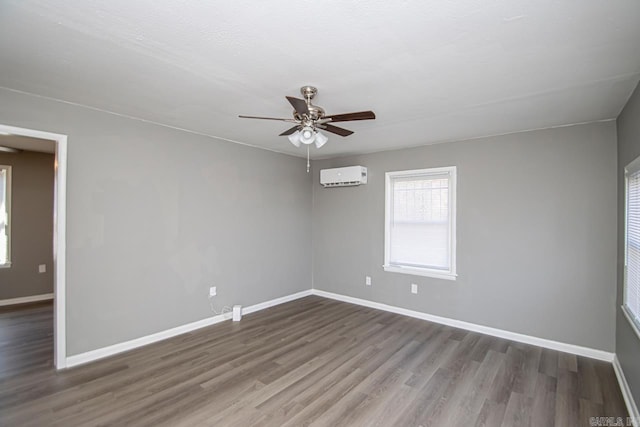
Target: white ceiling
[432,71]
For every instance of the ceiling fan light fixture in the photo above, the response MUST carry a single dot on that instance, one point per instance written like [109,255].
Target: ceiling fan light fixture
[307,135]
[294,138]
[321,139]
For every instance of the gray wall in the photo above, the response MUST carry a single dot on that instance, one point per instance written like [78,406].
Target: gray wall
[536,233]
[627,342]
[31,225]
[155,216]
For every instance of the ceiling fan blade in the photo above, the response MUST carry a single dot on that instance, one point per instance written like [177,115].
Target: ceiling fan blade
[269,118]
[300,105]
[347,117]
[336,130]
[289,131]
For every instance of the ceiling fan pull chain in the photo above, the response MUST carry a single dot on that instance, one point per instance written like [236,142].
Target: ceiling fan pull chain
[308,164]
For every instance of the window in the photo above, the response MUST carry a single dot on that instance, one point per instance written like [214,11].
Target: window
[420,222]
[5,211]
[631,306]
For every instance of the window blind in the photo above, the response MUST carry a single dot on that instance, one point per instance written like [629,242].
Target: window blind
[632,283]
[420,221]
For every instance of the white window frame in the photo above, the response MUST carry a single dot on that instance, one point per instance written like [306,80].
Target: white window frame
[634,321]
[7,168]
[449,274]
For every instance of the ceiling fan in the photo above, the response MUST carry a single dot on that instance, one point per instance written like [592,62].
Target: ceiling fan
[310,119]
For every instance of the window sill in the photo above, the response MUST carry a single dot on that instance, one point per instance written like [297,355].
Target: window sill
[420,272]
[7,265]
[629,317]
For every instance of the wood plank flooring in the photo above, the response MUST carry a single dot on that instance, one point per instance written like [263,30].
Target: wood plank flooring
[308,362]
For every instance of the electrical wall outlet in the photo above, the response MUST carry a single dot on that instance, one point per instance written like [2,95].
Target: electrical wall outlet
[414,288]
[367,280]
[213,291]
[42,268]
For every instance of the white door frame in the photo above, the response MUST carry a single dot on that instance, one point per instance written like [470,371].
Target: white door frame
[59,238]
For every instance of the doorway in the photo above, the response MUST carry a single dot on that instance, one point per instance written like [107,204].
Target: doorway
[59,234]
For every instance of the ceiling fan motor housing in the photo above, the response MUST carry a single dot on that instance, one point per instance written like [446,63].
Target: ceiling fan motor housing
[315,113]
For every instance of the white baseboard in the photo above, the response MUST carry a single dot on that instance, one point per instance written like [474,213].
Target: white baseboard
[90,356]
[626,393]
[26,300]
[513,336]
[111,350]
[274,302]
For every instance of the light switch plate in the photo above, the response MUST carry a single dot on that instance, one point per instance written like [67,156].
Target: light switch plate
[414,288]
[367,280]
[42,268]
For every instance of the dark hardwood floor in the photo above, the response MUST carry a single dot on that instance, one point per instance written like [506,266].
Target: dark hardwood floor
[26,339]
[311,361]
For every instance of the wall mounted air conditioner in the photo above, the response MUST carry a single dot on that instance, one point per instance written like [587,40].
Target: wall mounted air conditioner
[343,177]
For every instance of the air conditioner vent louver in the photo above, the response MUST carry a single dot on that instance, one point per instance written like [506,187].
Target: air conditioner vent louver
[343,177]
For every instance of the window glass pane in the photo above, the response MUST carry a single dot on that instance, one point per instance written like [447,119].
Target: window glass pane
[632,285]
[3,217]
[419,226]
